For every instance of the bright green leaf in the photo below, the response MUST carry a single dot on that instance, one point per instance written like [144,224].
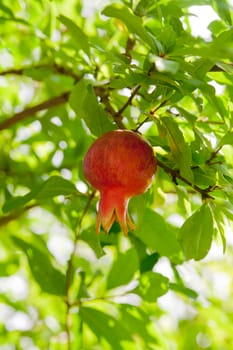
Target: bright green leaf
[196,234]
[134,24]
[156,234]
[179,148]
[92,239]
[50,280]
[123,269]
[227,139]
[152,286]
[78,35]
[84,102]
[99,322]
[54,186]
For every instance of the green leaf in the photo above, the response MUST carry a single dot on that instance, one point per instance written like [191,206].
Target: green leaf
[219,221]
[196,234]
[179,148]
[92,239]
[13,203]
[148,262]
[184,290]
[54,186]
[50,280]
[156,234]
[209,92]
[134,25]
[224,10]
[105,326]
[227,139]
[84,102]
[228,68]
[152,286]
[123,269]
[80,38]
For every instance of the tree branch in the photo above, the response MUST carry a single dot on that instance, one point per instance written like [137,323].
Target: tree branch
[54,67]
[18,117]
[176,175]
[70,271]
[118,115]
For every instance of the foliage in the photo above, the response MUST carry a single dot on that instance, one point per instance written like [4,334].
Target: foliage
[67,76]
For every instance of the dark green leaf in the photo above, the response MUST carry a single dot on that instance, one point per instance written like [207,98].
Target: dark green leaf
[148,262]
[196,234]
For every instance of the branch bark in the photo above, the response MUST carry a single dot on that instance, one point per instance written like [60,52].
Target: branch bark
[18,117]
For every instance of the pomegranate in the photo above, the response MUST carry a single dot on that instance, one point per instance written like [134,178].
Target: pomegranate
[120,164]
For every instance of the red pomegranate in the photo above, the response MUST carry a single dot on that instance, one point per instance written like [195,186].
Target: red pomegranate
[120,164]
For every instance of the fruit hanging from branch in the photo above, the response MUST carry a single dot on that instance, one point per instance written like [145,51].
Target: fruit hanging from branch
[120,164]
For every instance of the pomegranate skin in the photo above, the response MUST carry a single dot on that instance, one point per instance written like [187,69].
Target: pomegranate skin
[120,164]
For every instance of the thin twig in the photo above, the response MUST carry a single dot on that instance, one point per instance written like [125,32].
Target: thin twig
[152,112]
[118,115]
[18,117]
[176,175]
[70,271]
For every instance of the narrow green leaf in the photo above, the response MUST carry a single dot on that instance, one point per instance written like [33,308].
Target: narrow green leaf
[196,234]
[228,68]
[78,35]
[7,10]
[50,280]
[224,10]
[184,290]
[134,24]
[209,92]
[123,269]
[84,102]
[219,221]
[156,234]
[180,150]
[152,286]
